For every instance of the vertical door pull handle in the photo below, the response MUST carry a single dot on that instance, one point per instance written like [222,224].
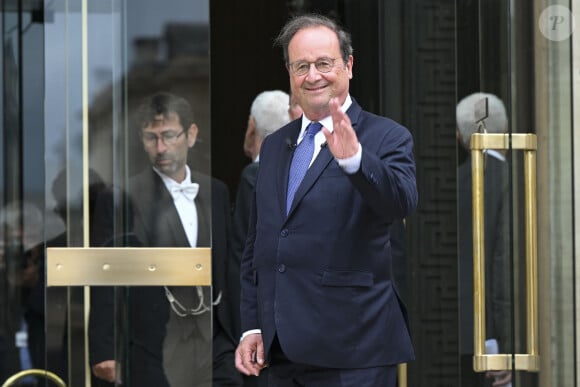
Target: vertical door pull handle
[529,361]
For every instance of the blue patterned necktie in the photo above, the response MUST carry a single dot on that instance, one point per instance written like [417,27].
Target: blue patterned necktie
[301,161]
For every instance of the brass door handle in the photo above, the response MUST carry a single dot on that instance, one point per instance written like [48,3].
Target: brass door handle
[34,372]
[529,361]
[402,375]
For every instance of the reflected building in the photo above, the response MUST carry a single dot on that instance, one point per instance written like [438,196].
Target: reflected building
[176,62]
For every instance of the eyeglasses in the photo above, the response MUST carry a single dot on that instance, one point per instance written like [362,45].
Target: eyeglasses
[168,138]
[301,67]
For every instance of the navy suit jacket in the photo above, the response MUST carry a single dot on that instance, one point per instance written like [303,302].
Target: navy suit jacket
[321,277]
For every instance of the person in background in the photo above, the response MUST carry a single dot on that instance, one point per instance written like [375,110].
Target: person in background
[496,248]
[318,305]
[20,250]
[294,109]
[268,113]
[172,332]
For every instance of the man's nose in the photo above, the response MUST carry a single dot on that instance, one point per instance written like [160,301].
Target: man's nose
[160,144]
[313,72]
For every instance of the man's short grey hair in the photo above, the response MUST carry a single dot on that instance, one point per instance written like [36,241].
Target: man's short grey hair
[496,122]
[270,111]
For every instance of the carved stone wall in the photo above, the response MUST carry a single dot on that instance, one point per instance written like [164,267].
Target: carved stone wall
[430,95]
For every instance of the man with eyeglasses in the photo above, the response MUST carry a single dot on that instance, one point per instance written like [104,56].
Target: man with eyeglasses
[318,303]
[172,330]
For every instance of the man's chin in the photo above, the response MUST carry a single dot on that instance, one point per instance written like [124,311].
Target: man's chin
[165,168]
[319,107]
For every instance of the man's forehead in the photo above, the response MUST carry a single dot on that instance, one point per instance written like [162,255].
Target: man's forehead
[316,42]
[166,117]
[159,120]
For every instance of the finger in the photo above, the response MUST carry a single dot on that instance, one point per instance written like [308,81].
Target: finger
[338,116]
[334,105]
[343,129]
[104,373]
[249,362]
[110,375]
[260,356]
[242,368]
[327,135]
[251,367]
[240,362]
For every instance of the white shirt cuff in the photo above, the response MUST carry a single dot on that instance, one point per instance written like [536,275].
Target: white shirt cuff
[351,164]
[250,332]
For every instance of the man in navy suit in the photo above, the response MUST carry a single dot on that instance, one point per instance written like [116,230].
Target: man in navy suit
[318,305]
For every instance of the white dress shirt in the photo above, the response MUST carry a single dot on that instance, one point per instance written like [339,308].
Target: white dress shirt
[350,164]
[184,201]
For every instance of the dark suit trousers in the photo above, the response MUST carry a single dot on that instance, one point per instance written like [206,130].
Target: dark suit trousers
[284,373]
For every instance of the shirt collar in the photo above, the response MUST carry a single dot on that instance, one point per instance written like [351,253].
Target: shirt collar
[494,153]
[326,121]
[169,182]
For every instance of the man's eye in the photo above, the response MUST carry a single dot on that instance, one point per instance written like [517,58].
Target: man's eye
[301,67]
[323,64]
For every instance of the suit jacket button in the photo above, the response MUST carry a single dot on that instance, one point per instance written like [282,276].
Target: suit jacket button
[284,232]
[281,268]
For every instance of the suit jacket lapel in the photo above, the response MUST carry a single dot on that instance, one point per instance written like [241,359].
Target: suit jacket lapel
[285,160]
[321,162]
[312,174]
[163,214]
[203,206]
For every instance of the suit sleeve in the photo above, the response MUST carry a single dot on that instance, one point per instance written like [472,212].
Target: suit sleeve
[386,178]
[248,296]
[241,214]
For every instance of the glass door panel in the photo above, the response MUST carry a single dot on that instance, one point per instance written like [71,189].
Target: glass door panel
[526,241]
[117,301]
[491,213]
[22,214]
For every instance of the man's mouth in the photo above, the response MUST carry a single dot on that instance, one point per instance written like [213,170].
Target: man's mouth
[316,89]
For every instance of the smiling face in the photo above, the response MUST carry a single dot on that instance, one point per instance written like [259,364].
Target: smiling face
[314,89]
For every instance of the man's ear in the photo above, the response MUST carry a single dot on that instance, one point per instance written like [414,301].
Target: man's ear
[459,136]
[250,137]
[192,135]
[251,130]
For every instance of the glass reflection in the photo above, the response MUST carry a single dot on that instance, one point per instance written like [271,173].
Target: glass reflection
[484,113]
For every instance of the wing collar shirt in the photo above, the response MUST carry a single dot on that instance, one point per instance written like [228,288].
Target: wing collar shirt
[184,195]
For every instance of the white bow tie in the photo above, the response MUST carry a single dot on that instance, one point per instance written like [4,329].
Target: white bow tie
[189,190]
